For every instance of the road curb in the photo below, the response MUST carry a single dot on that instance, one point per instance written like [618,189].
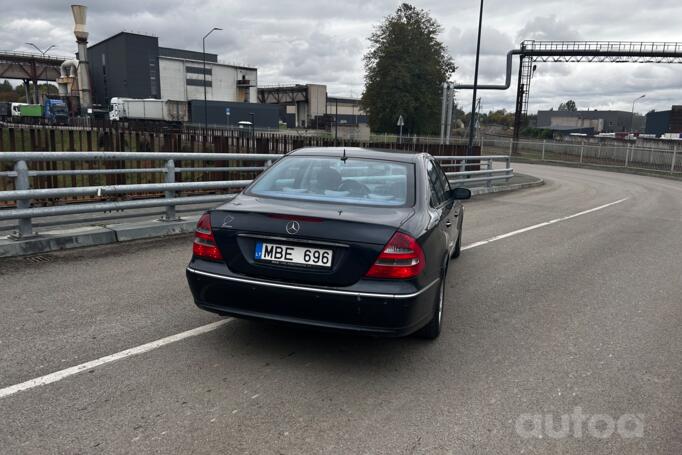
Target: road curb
[126,232]
[64,239]
[57,240]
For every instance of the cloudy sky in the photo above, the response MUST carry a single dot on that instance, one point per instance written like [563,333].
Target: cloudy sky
[323,41]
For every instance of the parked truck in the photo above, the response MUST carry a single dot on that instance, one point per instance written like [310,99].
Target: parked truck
[5,110]
[55,111]
[149,110]
[16,109]
[31,110]
[171,113]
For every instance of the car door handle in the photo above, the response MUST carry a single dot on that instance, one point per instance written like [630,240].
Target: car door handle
[448,223]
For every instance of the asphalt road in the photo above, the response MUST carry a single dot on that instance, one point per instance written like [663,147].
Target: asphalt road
[582,316]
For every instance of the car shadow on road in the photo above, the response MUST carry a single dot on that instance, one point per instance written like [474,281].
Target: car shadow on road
[326,349]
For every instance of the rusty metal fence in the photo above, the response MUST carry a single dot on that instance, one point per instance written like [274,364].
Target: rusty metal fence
[32,138]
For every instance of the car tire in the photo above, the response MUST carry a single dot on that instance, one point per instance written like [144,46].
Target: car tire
[431,330]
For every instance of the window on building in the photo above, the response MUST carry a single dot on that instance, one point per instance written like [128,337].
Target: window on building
[198,83]
[153,77]
[198,70]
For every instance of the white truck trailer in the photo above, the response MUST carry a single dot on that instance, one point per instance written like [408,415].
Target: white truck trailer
[150,109]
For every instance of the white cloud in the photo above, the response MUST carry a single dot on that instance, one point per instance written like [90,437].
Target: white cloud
[548,28]
[322,41]
[24,25]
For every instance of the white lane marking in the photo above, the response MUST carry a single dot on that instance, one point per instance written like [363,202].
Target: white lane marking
[59,375]
[537,226]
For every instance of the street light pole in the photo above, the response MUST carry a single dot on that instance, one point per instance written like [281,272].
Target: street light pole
[632,117]
[43,54]
[203,50]
[473,101]
[253,129]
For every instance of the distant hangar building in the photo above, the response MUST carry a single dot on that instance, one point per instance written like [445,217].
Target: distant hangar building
[309,106]
[663,122]
[594,121]
[132,65]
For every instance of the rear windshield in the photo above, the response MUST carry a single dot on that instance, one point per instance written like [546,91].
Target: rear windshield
[329,179]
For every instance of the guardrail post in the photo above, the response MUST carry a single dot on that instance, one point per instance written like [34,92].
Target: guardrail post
[544,143]
[170,178]
[489,183]
[22,182]
[511,146]
[509,173]
[582,150]
[627,155]
[672,166]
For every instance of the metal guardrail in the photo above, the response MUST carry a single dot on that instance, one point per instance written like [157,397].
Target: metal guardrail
[31,56]
[660,156]
[23,194]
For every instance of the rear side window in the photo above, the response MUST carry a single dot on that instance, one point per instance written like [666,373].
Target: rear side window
[354,181]
[444,179]
[437,183]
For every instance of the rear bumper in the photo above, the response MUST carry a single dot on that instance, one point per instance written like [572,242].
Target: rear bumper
[376,313]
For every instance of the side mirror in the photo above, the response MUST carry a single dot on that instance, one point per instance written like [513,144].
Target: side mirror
[460,193]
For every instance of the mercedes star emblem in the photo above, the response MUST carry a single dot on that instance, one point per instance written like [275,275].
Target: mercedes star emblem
[293,227]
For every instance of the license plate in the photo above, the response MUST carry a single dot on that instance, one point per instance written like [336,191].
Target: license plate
[289,254]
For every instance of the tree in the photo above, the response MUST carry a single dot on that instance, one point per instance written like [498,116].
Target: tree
[500,117]
[404,71]
[568,106]
[18,94]
[7,92]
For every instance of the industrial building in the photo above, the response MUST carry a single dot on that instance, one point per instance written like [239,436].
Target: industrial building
[590,121]
[660,123]
[309,106]
[226,113]
[347,110]
[132,65]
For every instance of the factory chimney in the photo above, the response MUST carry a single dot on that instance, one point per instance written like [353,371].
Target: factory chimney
[79,16]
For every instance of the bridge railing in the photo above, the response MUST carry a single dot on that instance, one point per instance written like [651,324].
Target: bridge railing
[30,202]
[655,156]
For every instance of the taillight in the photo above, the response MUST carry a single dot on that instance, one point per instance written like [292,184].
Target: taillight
[204,243]
[401,258]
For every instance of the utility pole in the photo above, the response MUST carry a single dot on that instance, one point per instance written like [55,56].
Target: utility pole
[446,88]
[45,70]
[203,49]
[27,83]
[253,129]
[478,119]
[448,125]
[632,117]
[473,101]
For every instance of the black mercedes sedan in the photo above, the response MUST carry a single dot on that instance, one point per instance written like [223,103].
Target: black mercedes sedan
[338,238]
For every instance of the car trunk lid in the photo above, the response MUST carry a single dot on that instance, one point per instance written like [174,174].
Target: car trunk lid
[355,235]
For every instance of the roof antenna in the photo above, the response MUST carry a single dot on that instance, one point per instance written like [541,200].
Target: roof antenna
[344,157]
